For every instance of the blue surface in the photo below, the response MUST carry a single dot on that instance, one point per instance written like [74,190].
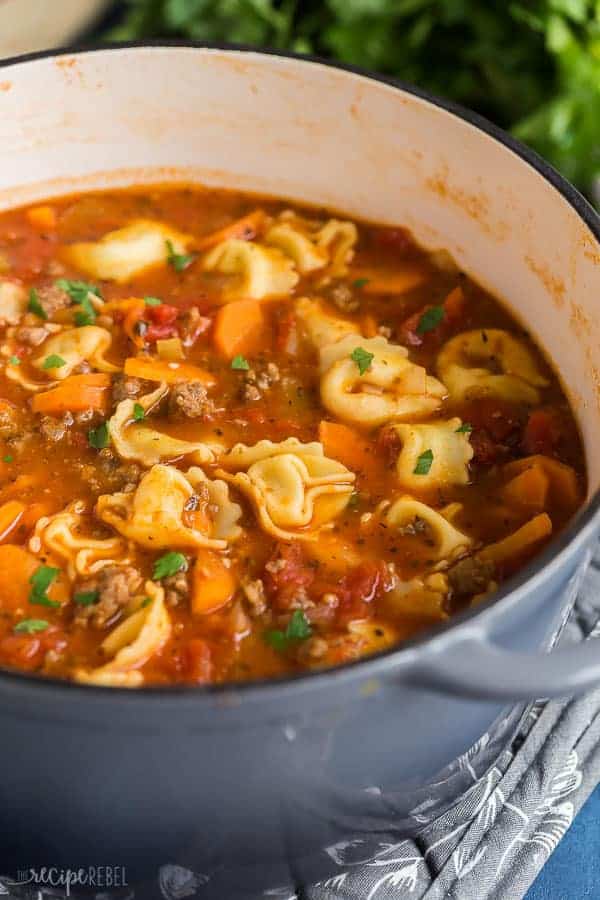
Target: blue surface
[573,870]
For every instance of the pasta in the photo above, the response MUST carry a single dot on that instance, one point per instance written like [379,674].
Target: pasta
[450,450]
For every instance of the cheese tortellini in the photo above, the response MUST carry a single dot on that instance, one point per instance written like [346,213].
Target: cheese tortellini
[391,388]
[13,302]
[257,271]
[313,246]
[322,328]
[133,642]
[155,514]
[448,542]
[71,348]
[519,378]
[295,489]
[450,451]
[138,441]
[122,254]
[61,536]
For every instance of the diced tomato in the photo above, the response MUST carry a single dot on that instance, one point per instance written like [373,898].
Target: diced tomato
[542,433]
[497,429]
[397,239]
[162,320]
[389,444]
[28,251]
[359,588]
[454,307]
[27,651]
[197,662]
[287,576]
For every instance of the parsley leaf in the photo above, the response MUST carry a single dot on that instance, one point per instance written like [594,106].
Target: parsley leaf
[430,319]
[362,358]
[424,462]
[14,360]
[152,301]
[360,282]
[86,598]
[298,629]
[146,602]
[99,437]
[465,428]
[138,412]
[8,458]
[78,290]
[86,315]
[30,626]
[53,362]
[179,261]
[169,564]
[40,581]
[240,362]
[35,306]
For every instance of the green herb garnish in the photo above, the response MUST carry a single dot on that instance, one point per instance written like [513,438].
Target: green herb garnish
[86,315]
[40,581]
[138,412]
[240,362]
[86,598]
[99,437]
[79,292]
[53,362]
[430,319]
[360,282]
[169,564]
[179,261]
[465,428]
[8,458]
[298,629]
[424,462]
[145,602]
[30,626]
[362,358]
[35,306]
[14,360]
[152,301]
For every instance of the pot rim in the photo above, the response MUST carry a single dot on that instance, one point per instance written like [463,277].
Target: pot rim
[577,531]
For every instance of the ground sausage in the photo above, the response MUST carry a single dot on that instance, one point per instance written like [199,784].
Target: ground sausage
[116,585]
[470,576]
[53,429]
[52,298]
[190,399]
[125,388]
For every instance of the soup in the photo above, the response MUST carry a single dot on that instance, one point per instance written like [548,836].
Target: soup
[241,439]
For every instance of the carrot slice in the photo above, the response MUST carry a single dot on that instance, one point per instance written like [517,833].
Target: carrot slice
[563,479]
[213,584]
[76,393]
[17,565]
[42,217]
[528,489]
[520,542]
[368,326]
[244,229]
[397,281]
[346,445]
[170,372]
[11,514]
[240,327]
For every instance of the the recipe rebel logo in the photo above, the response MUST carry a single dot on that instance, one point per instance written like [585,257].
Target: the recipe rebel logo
[65,882]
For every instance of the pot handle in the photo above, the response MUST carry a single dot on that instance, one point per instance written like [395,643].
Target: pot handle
[475,667]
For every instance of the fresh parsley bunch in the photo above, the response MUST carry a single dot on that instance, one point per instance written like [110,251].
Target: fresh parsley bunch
[531,65]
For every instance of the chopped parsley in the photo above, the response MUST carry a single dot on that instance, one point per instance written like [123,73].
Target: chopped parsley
[430,319]
[465,428]
[79,292]
[360,282]
[14,360]
[35,306]
[8,458]
[298,629]
[40,581]
[99,437]
[169,564]
[146,602]
[30,626]
[53,362]
[240,362]
[138,412]
[424,462]
[86,598]
[152,301]
[179,261]
[362,358]
[86,315]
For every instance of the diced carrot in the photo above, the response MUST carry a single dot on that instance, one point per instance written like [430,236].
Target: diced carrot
[133,315]
[346,445]
[213,584]
[528,489]
[11,514]
[454,304]
[17,565]
[170,372]
[244,229]
[397,281]
[42,217]
[34,512]
[564,487]
[520,542]
[240,327]
[76,393]
[368,326]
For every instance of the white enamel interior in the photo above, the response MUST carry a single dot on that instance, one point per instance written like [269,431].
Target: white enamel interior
[314,133]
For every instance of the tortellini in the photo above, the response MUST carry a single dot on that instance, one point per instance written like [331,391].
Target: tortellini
[520,378]
[312,247]
[133,642]
[13,302]
[392,387]
[72,347]
[450,451]
[322,327]
[259,271]
[61,535]
[155,514]
[295,489]
[447,541]
[138,441]
[122,254]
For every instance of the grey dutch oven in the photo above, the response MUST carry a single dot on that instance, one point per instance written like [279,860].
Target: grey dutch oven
[257,778]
